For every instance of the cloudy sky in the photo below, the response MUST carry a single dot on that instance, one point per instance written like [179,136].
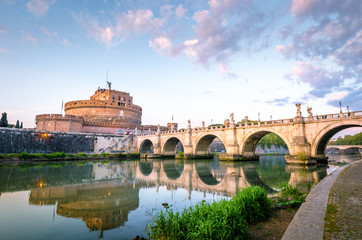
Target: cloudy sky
[194,59]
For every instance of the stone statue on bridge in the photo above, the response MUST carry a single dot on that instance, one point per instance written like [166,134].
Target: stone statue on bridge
[299,113]
[310,115]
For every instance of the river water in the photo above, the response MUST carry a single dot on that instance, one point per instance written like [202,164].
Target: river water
[116,199]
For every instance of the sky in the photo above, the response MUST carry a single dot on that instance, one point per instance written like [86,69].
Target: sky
[193,59]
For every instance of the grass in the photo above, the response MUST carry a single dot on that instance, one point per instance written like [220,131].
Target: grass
[224,219]
[290,196]
[64,156]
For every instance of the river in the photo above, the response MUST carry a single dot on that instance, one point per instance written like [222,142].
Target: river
[116,199]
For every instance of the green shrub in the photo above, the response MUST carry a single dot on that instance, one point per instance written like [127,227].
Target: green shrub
[224,219]
[302,156]
[82,154]
[255,204]
[106,154]
[181,154]
[290,195]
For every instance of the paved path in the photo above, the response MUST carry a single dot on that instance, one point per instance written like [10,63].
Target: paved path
[308,222]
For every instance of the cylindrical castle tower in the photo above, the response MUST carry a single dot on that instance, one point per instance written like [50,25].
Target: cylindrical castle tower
[106,105]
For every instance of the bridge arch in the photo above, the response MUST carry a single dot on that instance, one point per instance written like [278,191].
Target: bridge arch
[203,143]
[146,146]
[173,169]
[248,147]
[319,144]
[146,167]
[171,145]
[210,172]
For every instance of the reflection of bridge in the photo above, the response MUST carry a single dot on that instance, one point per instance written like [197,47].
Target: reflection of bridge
[303,135]
[224,178]
[345,148]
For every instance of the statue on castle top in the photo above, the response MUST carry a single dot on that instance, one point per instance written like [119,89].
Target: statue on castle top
[189,122]
[232,117]
[109,85]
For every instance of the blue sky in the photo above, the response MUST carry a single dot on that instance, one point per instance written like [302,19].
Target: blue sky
[198,60]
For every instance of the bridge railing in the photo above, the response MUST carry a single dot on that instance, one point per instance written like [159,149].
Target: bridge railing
[324,117]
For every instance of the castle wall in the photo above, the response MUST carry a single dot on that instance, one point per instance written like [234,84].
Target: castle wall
[59,123]
[34,141]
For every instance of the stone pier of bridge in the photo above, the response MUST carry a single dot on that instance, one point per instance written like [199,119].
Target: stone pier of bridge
[305,137]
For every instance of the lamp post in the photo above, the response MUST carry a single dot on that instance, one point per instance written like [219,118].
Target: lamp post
[258,117]
[340,107]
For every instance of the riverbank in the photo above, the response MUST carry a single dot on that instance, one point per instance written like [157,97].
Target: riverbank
[250,214]
[61,156]
[309,221]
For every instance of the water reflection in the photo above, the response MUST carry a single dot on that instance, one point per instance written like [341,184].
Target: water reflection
[103,195]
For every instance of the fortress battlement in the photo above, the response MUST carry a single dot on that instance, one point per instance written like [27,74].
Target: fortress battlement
[58,117]
[107,111]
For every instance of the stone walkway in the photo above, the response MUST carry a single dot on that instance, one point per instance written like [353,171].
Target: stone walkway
[344,210]
[308,222]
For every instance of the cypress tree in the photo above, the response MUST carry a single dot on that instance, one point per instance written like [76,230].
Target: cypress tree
[4,120]
[21,125]
[17,124]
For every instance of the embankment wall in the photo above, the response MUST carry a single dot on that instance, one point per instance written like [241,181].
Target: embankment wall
[35,141]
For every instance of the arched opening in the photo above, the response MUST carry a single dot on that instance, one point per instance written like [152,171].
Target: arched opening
[332,137]
[146,146]
[146,167]
[172,146]
[208,144]
[352,150]
[210,172]
[173,168]
[332,150]
[264,142]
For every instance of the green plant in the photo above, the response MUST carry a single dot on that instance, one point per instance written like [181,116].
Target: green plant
[290,196]
[302,156]
[224,219]
[81,154]
[181,154]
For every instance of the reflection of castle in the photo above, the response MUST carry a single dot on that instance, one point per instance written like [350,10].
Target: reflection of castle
[102,206]
[107,111]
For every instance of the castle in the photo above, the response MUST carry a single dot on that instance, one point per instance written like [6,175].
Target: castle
[107,111]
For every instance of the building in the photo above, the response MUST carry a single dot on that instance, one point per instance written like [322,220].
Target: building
[107,111]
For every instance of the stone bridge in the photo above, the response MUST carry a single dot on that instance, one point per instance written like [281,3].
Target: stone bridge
[343,148]
[306,137]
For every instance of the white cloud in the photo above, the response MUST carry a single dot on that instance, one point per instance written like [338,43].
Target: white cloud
[28,37]
[65,42]
[180,11]
[39,7]
[49,33]
[2,28]
[161,44]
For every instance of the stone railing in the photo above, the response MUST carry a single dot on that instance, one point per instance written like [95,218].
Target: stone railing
[326,117]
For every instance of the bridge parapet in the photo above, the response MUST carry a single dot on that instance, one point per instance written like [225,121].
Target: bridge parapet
[320,118]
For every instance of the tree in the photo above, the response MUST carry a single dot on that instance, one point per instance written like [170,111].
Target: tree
[17,125]
[21,125]
[4,120]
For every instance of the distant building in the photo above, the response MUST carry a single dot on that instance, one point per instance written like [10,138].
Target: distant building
[107,111]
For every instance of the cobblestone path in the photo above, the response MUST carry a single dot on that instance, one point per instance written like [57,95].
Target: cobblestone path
[343,218]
